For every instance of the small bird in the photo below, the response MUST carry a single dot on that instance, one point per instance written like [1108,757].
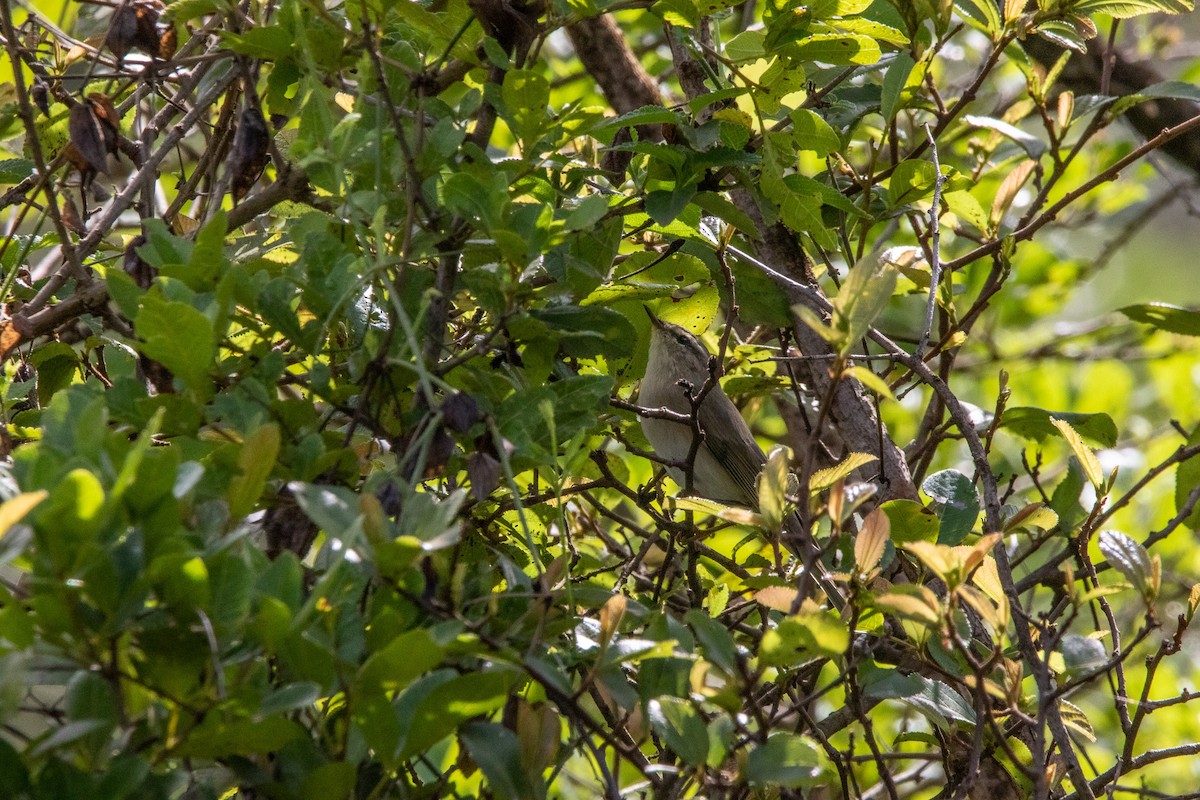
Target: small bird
[728,460]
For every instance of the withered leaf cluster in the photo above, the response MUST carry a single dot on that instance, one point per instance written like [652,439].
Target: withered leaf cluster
[248,153]
[135,26]
[94,131]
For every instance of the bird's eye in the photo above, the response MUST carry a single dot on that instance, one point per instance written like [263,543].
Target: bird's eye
[679,337]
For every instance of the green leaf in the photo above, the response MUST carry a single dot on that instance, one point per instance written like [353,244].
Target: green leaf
[1166,317]
[334,509]
[1124,9]
[1077,720]
[1034,423]
[664,205]
[481,199]
[448,705]
[875,30]
[864,295]
[870,380]
[15,170]
[91,698]
[269,42]
[911,522]
[958,504]
[526,94]
[292,697]
[746,46]
[647,115]
[825,9]
[181,579]
[14,777]
[966,207]
[497,751]
[894,81]
[207,261]
[57,364]
[149,489]
[718,206]
[987,12]
[718,644]
[681,13]
[911,180]
[431,520]
[1085,455]
[188,10]
[802,213]
[216,738]
[589,211]
[1187,478]
[180,338]
[836,48]
[586,331]
[787,760]
[772,485]
[935,700]
[576,402]
[255,462]
[803,637]
[332,781]
[71,514]
[829,196]
[681,728]
[405,658]
[814,133]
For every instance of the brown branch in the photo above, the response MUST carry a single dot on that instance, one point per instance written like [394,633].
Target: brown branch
[1111,174]
[1086,73]
[607,57]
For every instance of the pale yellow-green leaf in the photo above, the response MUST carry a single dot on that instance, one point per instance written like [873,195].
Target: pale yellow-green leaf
[938,558]
[1066,108]
[1075,718]
[14,510]
[871,540]
[869,379]
[1087,456]
[987,578]
[1009,187]
[777,598]
[909,606]
[1034,515]
[817,325]
[611,614]
[824,478]
[772,486]
[734,514]
[984,606]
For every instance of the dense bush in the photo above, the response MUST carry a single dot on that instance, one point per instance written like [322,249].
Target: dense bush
[322,337]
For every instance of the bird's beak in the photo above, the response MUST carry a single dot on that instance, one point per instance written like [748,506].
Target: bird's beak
[658,323]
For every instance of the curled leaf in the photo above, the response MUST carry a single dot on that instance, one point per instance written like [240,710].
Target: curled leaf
[248,154]
[93,128]
[1130,559]
[871,540]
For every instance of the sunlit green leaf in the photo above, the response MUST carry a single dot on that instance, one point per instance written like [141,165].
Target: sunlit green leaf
[786,760]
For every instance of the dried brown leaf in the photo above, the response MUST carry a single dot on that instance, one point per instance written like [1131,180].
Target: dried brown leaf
[248,154]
